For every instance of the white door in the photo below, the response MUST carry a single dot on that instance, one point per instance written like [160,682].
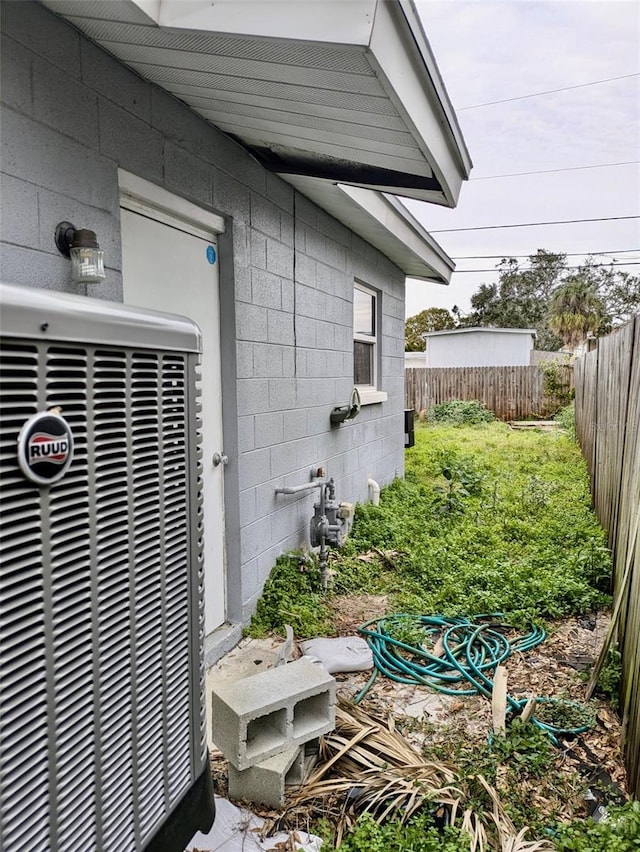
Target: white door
[171,265]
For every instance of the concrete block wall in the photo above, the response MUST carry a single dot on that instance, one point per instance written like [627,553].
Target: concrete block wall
[71,116]
[286,389]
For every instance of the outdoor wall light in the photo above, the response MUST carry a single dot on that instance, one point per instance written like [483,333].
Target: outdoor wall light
[81,245]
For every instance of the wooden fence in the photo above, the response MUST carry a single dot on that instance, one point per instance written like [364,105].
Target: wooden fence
[512,393]
[608,427]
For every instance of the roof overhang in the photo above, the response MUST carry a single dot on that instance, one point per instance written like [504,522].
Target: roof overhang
[385,222]
[340,90]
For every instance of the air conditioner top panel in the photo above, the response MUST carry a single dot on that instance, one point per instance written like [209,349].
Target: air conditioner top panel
[34,313]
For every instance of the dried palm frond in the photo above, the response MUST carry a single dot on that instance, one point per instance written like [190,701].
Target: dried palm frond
[377,769]
[473,825]
[507,838]
[370,767]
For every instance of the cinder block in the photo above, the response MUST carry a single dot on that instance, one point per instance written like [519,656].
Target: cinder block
[279,192]
[265,783]
[260,716]
[279,258]
[251,323]
[268,361]
[266,289]
[280,328]
[19,206]
[265,216]
[253,468]
[253,538]
[73,110]
[130,142]
[44,157]
[188,174]
[15,67]
[43,33]
[282,395]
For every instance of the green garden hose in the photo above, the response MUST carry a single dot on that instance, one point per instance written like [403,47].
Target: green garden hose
[471,650]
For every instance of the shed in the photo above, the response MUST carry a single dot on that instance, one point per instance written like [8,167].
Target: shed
[480,347]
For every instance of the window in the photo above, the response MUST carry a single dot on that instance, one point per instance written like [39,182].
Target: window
[366,344]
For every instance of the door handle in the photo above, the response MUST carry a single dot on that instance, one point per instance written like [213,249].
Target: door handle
[220,459]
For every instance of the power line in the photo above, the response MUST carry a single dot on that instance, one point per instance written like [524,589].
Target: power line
[552,171]
[530,268]
[548,92]
[566,253]
[531,224]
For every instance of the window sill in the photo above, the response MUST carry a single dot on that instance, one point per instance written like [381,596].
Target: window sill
[370,396]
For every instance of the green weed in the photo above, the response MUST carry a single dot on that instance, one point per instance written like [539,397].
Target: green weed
[567,418]
[292,596]
[418,835]
[460,413]
[620,832]
[609,677]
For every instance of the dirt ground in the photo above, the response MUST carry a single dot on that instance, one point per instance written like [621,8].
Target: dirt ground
[559,667]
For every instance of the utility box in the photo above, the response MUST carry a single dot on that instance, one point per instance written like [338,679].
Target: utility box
[409,432]
[102,696]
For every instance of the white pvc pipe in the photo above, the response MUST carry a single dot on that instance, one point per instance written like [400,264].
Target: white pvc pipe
[374,492]
[298,489]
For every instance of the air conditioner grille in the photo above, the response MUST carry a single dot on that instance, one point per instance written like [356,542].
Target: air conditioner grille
[100,600]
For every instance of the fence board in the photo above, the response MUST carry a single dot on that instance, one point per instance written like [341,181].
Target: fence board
[608,425]
[512,393]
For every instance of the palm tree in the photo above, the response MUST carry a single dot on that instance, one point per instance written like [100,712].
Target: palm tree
[575,311]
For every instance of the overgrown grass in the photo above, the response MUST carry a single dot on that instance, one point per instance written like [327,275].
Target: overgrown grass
[487,519]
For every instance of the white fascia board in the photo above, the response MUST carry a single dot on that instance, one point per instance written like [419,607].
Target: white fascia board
[398,222]
[419,229]
[433,197]
[406,79]
[383,222]
[424,48]
[333,21]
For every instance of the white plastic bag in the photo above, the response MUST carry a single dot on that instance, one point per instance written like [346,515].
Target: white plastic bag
[234,831]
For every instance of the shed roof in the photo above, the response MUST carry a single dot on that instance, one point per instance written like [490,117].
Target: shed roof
[327,94]
[483,329]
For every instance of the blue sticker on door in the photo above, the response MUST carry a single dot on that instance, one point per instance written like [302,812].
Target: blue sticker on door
[211,254]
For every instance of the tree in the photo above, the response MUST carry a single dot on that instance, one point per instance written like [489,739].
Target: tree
[621,294]
[521,298]
[576,310]
[431,319]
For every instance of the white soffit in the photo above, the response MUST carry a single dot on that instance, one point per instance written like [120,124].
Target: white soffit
[341,90]
[384,222]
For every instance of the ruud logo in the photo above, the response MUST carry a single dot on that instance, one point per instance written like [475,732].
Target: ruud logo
[45,447]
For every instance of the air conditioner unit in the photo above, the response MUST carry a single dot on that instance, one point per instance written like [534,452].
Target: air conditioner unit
[102,697]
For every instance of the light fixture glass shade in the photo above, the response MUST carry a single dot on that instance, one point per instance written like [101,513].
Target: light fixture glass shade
[87,265]
[87,258]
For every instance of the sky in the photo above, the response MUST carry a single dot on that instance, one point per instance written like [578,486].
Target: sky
[490,51]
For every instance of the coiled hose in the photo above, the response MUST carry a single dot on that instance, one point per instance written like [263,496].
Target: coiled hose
[471,650]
